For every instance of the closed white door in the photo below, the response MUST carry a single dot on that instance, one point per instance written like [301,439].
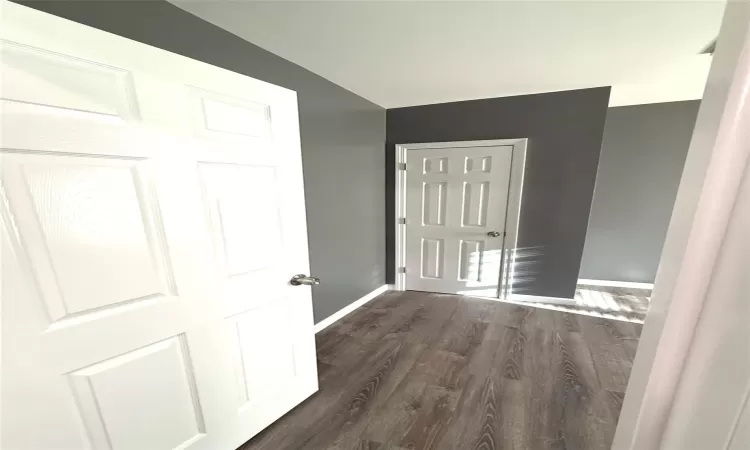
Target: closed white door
[456,211]
[152,217]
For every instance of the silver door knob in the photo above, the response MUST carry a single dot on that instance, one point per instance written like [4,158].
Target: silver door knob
[493,233]
[304,280]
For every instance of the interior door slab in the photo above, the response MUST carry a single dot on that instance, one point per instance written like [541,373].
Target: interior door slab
[152,216]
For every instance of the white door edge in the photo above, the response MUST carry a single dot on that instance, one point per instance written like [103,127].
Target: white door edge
[705,205]
[518,166]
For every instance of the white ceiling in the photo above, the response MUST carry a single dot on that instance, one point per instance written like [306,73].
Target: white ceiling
[412,53]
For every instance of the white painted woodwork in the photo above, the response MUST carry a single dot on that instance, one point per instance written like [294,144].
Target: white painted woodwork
[690,381]
[152,215]
[740,439]
[454,197]
[715,385]
[125,423]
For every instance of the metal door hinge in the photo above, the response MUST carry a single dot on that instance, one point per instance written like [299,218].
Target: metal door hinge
[401,166]
[402,220]
[402,270]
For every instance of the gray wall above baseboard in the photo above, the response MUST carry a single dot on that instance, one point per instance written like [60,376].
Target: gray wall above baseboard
[565,135]
[343,137]
[643,152]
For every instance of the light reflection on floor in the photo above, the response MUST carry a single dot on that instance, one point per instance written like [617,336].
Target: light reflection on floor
[627,304]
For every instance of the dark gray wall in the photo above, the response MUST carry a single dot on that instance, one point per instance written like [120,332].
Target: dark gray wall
[643,152]
[343,138]
[565,134]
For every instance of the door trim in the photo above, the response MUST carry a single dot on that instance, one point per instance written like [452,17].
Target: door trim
[512,216]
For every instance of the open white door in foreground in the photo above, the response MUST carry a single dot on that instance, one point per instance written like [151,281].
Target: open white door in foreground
[152,215]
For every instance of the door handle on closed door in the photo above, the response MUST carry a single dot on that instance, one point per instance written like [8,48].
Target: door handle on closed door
[493,233]
[304,280]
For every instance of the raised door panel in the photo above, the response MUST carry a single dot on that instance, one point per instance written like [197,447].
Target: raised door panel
[434,195]
[274,363]
[264,352]
[41,77]
[242,210]
[434,166]
[471,255]
[475,202]
[92,230]
[433,256]
[146,398]
[479,263]
[227,117]
[478,164]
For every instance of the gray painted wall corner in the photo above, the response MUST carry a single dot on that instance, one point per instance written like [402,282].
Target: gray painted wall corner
[643,153]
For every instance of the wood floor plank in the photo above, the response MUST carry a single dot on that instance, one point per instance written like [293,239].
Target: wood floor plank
[337,405]
[417,416]
[490,421]
[412,370]
[612,352]
[518,419]
[478,420]
[417,329]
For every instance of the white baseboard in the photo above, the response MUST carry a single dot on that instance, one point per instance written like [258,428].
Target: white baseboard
[625,284]
[539,299]
[346,310]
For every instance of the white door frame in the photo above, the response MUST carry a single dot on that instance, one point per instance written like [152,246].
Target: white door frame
[518,165]
[706,204]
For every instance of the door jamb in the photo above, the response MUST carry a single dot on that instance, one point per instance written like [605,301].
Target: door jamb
[513,209]
[660,392]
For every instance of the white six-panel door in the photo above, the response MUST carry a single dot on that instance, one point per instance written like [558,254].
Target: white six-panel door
[152,216]
[456,208]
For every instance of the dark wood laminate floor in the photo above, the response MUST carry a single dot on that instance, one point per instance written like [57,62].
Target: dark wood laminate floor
[412,370]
